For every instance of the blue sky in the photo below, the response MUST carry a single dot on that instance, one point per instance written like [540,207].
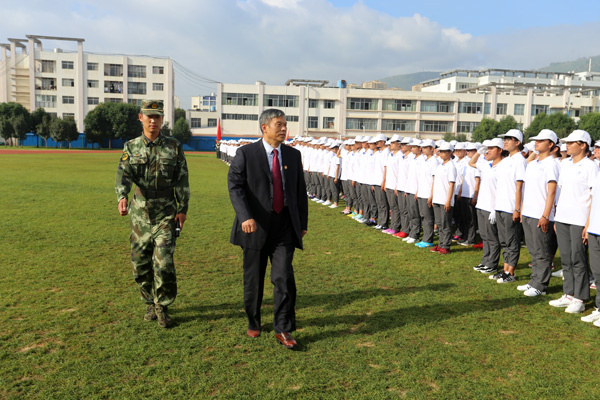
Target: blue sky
[242,41]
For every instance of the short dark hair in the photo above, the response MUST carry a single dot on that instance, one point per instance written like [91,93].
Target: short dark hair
[270,113]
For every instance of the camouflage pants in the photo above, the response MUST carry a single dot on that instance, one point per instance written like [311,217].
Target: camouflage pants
[152,248]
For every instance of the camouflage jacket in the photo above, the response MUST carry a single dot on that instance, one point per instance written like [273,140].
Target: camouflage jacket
[157,166]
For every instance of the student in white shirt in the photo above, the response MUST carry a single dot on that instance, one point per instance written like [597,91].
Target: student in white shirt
[426,168]
[378,175]
[391,177]
[412,185]
[591,237]
[469,191]
[333,175]
[577,176]
[541,179]
[402,168]
[442,198]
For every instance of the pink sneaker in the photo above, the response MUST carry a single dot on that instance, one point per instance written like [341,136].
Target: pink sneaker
[391,231]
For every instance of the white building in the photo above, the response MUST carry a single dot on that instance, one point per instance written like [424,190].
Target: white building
[72,83]
[454,103]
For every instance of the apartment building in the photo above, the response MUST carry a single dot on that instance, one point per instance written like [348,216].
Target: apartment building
[72,82]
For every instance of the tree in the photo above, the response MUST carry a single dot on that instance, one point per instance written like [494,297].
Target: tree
[6,129]
[487,129]
[43,128]
[460,137]
[18,117]
[538,123]
[166,130]
[20,127]
[179,113]
[64,130]
[591,124]
[112,120]
[506,123]
[37,122]
[181,131]
[560,123]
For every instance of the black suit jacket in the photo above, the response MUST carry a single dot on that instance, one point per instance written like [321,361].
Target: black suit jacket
[251,192]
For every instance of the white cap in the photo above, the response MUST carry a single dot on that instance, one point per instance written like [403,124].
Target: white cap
[578,135]
[530,146]
[563,147]
[515,133]
[377,138]
[453,143]
[446,146]
[459,146]
[406,140]
[439,142]
[496,142]
[361,139]
[372,140]
[351,142]
[427,142]
[546,134]
[470,146]
[395,138]
[415,142]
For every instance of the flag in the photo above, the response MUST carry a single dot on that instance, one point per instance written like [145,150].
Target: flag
[287,135]
[219,131]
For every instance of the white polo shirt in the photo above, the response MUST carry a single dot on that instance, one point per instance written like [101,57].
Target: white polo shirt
[469,175]
[426,169]
[391,170]
[575,181]
[537,177]
[444,174]
[510,170]
[594,226]
[412,175]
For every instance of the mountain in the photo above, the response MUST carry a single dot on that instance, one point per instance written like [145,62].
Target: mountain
[579,65]
[406,81]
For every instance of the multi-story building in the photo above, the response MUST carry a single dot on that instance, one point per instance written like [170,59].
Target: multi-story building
[454,103]
[72,83]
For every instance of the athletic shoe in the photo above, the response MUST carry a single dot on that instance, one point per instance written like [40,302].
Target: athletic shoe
[558,274]
[507,278]
[435,249]
[320,201]
[411,240]
[533,292]
[405,239]
[424,245]
[391,231]
[593,285]
[314,199]
[370,223]
[456,238]
[402,234]
[333,206]
[352,214]
[564,301]
[597,323]
[488,270]
[327,203]
[524,288]
[576,307]
[378,227]
[497,275]
[397,234]
[478,245]
[443,251]
[594,316]
[478,267]
[466,244]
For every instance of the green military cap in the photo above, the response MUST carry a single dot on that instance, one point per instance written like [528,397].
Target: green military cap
[152,107]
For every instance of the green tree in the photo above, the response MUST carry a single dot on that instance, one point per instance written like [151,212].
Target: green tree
[6,129]
[18,117]
[43,128]
[112,120]
[64,130]
[560,123]
[165,129]
[591,124]
[20,127]
[538,123]
[181,131]
[179,113]
[37,122]
[506,123]
[460,137]
[487,129]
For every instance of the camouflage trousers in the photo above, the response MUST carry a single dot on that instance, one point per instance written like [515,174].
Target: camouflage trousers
[152,248]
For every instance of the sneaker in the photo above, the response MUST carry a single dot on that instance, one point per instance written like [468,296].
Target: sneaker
[564,301]
[424,245]
[333,206]
[558,274]
[444,251]
[435,249]
[327,203]
[478,245]
[390,231]
[506,278]
[497,275]
[370,223]
[523,288]
[466,244]
[488,270]
[478,267]
[162,315]
[150,313]
[594,316]
[378,227]
[352,214]
[533,292]
[577,306]
[403,234]
[597,322]
[320,201]
[411,240]
[456,238]
[399,234]
[314,199]
[593,285]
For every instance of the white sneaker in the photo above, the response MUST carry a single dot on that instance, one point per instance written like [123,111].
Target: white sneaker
[333,206]
[320,201]
[406,239]
[597,322]
[327,203]
[523,288]
[558,274]
[411,240]
[532,292]
[594,316]
[314,199]
[564,301]
[577,306]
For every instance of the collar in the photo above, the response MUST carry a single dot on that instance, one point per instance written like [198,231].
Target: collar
[269,149]
[157,141]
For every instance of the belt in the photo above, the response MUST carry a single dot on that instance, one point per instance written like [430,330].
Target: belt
[149,194]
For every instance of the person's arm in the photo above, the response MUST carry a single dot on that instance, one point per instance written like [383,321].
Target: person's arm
[123,181]
[384,177]
[518,202]
[430,199]
[448,204]
[181,187]
[544,220]
[476,191]
[473,160]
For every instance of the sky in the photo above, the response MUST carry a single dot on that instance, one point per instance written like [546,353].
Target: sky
[242,41]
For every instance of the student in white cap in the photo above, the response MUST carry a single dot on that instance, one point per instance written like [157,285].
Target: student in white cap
[411,188]
[458,158]
[378,174]
[591,237]
[577,177]
[469,191]
[442,198]
[333,175]
[360,167]
[541,179]
[345,154]
[509,197]
[426,168]
[402,167]
[391,177]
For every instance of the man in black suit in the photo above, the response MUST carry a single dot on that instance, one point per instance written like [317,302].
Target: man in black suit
[268,194]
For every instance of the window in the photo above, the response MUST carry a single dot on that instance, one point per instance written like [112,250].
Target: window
[92,66]
[501,108]
[238,99]
[136,71]
[328,123]
[212,122]
[68,82]
[329,104]
[538,109]
[437,106]
[196,123]
[158,87]
[136,88]
[313,103]
[68,115]
[397,125]
[469,107]
[48,84]
[280,100]
[156,70]
[449,86]
[48,66]
[436,126]
[135,102]
[113,87]
[361,123]
[291,118]
[467,127]
[93,83]
[313,122]
[113,70]
[93,101]
[399,105]
[68,99]
[519,109]
[113,100]
[487,108]
[586,110]
[67,65]
[362,104]
[241,117]
[45,100]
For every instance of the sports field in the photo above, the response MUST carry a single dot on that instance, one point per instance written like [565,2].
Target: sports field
[377,318]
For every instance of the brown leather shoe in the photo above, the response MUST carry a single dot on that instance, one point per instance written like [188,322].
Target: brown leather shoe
[285,339]
[253,333]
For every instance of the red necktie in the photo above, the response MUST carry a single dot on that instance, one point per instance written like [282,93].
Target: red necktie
[277,185]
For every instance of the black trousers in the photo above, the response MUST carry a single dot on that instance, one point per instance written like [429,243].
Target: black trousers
[279,248]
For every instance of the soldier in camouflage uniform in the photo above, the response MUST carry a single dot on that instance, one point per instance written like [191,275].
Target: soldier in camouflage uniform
[157,166]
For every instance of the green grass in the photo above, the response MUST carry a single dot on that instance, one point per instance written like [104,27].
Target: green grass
[377,318]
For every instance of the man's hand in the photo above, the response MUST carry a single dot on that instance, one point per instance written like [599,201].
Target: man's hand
[123,207]
[249,226]
[304,233]
[180,218]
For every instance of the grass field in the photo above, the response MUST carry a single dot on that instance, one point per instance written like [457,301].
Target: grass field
[377,318]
